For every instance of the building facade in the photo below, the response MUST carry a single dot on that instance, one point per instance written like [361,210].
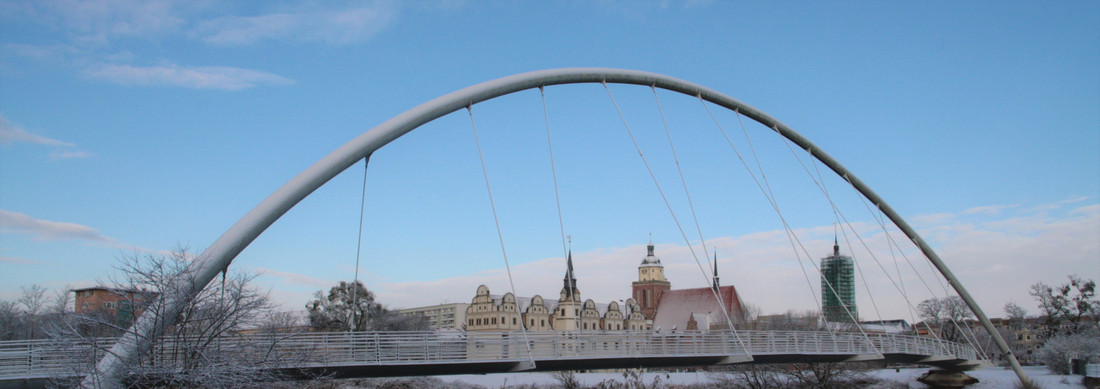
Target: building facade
[655,305]
[121,304]
[838,287]
[487,312]
[442,316]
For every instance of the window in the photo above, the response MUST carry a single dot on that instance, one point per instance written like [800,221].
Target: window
[109,304]
[513,321]
[494,321]
[543,321]
[471,321]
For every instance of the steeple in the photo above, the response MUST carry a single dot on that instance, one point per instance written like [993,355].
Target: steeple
[650,258]
[836,247]
[715,270]
[569,282]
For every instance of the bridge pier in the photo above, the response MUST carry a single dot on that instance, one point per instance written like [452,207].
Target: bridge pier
[946,379]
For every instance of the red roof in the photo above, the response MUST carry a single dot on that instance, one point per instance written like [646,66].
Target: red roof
[678,306]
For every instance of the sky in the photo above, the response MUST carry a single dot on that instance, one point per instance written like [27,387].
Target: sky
[135,128]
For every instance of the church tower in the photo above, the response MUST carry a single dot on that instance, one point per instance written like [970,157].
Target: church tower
[567,314]
[651,284]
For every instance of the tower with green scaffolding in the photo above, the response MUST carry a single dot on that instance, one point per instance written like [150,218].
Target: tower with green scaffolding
[838,288]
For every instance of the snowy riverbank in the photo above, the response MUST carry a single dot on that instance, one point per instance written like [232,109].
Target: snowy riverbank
[990,378]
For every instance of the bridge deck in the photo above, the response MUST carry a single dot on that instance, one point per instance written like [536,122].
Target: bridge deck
[346,355]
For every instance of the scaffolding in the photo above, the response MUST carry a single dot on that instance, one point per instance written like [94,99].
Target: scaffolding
[838,271]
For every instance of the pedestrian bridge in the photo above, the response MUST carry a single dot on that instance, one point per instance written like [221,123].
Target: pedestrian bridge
[378,354]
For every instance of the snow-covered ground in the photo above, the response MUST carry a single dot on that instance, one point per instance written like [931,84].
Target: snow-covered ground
[989,378]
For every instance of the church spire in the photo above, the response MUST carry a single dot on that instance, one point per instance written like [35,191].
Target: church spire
[569,287]
[715,270]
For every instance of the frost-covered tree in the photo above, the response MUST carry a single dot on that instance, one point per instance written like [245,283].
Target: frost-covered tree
[351,307]
[1068,308]
[948,314]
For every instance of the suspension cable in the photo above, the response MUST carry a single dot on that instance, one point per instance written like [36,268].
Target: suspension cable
[500,235]
[553,169]
[887,273]
[653,176]
[557,198]
[668,134]
[974,343]
[680,170]
[741,158]
[358,249]
[838,212]
[791,236]
[820,182]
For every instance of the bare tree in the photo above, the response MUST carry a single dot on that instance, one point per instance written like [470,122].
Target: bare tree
[1017,315]
[1068,308]
[948,314]
[201,348]
[33,301]
[10,321]
[61,300]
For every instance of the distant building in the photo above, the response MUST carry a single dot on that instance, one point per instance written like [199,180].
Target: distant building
[654,305]
[838,287]
[488,312]
[121,304]
[698,309]
[442,316]
[651,284]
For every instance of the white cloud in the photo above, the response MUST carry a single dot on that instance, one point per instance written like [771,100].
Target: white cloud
[91,31]
[47,230]
[329,26]
[10,133]
[97,21]
[15,222]
[19,261]
[297,278]
[59,155]
[226,78]
[989,209]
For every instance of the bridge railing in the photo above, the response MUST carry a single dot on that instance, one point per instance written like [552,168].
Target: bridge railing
[44,358]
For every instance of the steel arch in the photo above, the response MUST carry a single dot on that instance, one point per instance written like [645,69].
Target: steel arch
[221,253]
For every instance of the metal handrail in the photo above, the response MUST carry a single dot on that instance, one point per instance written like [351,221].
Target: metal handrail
[46,358]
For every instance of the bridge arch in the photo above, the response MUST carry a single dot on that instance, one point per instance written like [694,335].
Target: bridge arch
[217,257]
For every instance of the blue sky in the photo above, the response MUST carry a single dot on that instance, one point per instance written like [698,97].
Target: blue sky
[142,126]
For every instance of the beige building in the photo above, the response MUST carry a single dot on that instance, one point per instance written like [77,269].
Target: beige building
[654,305]
[487,312]
[442,316]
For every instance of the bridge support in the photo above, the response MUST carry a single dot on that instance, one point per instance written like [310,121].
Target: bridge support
[734,359]
[527,365]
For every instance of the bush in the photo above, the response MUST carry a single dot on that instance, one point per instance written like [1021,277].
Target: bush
[1058,350]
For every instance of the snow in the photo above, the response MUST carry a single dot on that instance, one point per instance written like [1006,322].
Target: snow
[989,378]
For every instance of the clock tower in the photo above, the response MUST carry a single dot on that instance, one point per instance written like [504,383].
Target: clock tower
[651,284]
